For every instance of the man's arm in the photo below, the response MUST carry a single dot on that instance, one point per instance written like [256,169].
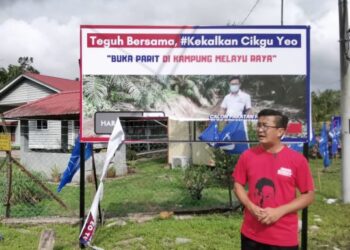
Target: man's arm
[222,111]
[249,111]
[242,196]
[271,215]
[248,106]
[223,106]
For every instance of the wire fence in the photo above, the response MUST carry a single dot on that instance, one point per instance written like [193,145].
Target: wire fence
[150,181]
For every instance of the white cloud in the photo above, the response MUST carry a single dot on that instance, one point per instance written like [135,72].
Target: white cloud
[21,38]
[325,51]
[53,46]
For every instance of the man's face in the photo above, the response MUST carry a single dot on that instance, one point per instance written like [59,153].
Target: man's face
[234,85]
[266,196]
[267,131]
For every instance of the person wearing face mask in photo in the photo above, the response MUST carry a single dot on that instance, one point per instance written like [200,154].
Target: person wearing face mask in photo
[237,102]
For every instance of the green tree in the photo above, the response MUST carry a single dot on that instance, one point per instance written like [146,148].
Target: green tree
[95,93]
[325,104]
[122,92]
[200,89]
[13,71]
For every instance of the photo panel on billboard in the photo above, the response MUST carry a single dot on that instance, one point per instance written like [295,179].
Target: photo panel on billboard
[180,76]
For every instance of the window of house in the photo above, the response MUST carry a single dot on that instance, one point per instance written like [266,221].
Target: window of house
[76,124]
[41,124]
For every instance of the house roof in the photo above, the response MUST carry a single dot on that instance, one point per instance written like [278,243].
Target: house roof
[62,104]
[60,84]
[56,84]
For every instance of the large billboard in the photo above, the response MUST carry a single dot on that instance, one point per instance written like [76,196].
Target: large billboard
[185,73]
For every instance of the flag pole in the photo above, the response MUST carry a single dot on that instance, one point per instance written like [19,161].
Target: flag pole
[96,184]
[89,226]
[82,189]
[282,10]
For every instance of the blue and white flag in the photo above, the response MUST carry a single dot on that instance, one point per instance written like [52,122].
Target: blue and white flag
[313,138]
[299,146]
[74,163]
[234,131]
[323,146]
[334,133]
[210,134]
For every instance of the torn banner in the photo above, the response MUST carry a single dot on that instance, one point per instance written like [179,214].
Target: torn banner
[115,140]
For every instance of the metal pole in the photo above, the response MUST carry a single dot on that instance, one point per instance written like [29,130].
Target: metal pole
[304,213]
[345,98]
[9,173]
[96,184]
[190,137]
[82,188]
[228,175]
[9,182]
[281,12]
[304,216]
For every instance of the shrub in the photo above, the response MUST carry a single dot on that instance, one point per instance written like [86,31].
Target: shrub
[90,178]
[55,174]
[111,172]
[196,179]
[131,155]
[224,165]
[252,135]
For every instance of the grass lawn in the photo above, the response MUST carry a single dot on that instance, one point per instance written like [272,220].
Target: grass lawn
[334,227]
[220,231]
[152,188]
[202,232]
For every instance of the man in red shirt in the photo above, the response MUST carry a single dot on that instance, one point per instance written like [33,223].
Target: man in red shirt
[273,173]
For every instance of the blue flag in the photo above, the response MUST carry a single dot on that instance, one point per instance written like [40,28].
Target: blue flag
[210,134]
[334,133]
[313,139]
[299,147]
[74,163]
[234,131]
[323,146]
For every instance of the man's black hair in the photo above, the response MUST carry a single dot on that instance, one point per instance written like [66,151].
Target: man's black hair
[234,78]
[261,183]
[264,182]
[281,119]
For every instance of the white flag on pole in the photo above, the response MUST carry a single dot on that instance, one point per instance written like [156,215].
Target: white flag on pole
[114,142]
[91,220]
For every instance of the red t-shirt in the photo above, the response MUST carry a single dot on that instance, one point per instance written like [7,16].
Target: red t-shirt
[272,181]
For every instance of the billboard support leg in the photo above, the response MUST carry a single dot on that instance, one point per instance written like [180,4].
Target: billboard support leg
[304,213]
[82,189]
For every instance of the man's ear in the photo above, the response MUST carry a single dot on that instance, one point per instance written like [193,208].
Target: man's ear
[283,131]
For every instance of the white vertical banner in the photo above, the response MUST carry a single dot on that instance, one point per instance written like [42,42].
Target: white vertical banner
[91,220]
[115,140]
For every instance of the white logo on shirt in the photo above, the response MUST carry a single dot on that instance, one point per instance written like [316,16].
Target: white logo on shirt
[285,171]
